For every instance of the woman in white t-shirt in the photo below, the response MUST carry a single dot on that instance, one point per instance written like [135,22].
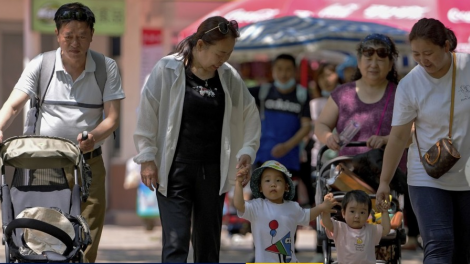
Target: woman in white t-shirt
[424,98]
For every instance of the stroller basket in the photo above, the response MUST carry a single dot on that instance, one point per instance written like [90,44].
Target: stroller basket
[40,189]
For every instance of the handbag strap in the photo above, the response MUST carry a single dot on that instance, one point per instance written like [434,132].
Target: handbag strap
[385,109]
[454,70]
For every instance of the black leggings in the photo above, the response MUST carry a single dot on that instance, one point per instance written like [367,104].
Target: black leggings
[192,197]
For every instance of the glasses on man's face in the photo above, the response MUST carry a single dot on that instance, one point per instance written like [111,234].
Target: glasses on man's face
[223,27]
[74,15]
[369,52]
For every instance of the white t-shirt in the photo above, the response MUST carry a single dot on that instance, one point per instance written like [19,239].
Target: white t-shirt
[355,246]
[273,227]
[428,100]
[71,107]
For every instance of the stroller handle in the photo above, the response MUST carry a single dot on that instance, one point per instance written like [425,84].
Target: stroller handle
[84,135]
[325,148]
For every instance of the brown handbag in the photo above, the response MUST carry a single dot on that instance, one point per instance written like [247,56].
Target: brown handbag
[442,156]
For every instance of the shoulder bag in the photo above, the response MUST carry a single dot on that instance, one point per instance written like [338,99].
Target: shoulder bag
[442,156]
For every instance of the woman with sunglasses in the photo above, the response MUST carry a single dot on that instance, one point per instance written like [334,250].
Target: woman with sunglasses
[368,99]
[424,98]
[197,125]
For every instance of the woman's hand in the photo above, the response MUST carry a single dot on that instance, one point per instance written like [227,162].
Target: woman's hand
[376,142]
[244,169]
[149,174]
[382,197]
[332,141]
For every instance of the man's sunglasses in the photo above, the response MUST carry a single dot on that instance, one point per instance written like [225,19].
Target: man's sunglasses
[223,27]
[369,52]
[74,15]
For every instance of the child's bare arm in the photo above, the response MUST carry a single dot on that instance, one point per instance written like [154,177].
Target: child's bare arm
[383,208]
[238,199]
[326,215]
[327,206]
[385,223]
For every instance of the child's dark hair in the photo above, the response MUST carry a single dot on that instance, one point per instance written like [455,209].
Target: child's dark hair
[359,196]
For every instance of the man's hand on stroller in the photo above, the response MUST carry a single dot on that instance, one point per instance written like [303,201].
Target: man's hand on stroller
[86,145]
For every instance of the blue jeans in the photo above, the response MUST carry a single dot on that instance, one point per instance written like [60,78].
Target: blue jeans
[443,223]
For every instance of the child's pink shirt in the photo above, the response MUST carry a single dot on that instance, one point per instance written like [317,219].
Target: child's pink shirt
[355,246]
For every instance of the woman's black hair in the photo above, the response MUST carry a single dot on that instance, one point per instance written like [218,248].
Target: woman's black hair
[74,11]
[433,30]
[359,196]
[388,43]
[185,47]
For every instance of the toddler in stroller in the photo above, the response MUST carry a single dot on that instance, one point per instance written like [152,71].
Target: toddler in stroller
[338,176]
[40,213]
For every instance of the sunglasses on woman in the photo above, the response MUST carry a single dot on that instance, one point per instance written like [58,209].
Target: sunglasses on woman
[223,27]
[369,52]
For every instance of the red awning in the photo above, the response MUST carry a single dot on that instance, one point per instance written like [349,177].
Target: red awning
[402,14]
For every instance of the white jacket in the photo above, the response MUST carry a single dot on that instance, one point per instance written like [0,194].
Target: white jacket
[159,121]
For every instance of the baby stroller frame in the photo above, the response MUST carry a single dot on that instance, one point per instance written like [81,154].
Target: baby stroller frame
[39,181]
[392,242]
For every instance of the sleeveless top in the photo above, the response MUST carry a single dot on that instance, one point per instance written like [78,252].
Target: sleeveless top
[350,107]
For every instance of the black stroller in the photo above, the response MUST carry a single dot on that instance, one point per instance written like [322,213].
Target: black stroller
[342,174]
[40,192]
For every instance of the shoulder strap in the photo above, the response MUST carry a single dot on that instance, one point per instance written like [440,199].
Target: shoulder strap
[451,119]
[45,75]
[100,72]
[262,94]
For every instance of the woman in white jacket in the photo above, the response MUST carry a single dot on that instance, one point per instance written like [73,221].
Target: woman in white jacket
[197,125]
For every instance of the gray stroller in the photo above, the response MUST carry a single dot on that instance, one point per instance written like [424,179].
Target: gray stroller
[40,213]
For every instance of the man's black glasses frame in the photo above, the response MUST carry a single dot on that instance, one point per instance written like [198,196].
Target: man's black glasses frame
[223,27]
[369,52]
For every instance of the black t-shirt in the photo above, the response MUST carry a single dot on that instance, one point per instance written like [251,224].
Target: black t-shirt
[201,124]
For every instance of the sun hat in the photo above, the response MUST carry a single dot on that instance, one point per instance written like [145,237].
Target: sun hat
[256,178]
[39,241]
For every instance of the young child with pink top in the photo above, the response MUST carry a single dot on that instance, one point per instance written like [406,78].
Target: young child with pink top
[355,239]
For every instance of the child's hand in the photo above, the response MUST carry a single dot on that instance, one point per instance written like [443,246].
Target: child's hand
[329,202]
[242,173]
[383,206]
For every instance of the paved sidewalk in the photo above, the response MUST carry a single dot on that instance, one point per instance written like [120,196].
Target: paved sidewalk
[135,244]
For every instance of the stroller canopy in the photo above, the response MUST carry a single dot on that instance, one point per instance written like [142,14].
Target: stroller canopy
[39,152]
